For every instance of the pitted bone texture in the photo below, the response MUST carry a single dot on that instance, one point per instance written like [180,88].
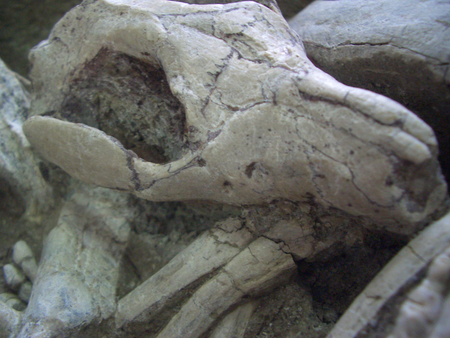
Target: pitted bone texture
[261,122]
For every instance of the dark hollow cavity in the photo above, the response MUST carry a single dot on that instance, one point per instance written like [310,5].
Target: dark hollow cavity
[130,100]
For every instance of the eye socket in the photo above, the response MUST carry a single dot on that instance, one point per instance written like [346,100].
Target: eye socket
[129,99]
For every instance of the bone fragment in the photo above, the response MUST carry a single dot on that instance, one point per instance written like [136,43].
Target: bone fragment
[79,267]
[12,301]
[395,275]
[442,326]
[375,48]
[13,276]
[425,311]
[204,256]
[235,323]
[23,257]
[261,265]
[9,320]
[99,159]
[25,291]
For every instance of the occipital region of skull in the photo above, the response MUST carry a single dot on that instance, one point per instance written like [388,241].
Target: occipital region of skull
[261,122]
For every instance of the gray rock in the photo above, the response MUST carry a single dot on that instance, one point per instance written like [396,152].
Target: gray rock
[22,187]
[399,49]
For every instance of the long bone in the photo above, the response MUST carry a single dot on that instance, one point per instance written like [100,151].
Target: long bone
[261,264]
[79,268]
[267,124]
[228,263]
[208,253]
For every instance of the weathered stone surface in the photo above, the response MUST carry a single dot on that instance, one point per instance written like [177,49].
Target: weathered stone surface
[396,48]
[292,133]
[22,187]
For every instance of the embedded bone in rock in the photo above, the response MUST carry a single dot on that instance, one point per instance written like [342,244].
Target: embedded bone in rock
[13,276]
[272,4]
[12,301]
[235,323]
[396,48]
[288,7]
[261,122]
[79,267]
[22,187]
[207,254]
[426,310]
[376,305]
[262,265]
[230,251]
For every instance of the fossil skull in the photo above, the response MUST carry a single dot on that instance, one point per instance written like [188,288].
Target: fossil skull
[249,120]
[261,122]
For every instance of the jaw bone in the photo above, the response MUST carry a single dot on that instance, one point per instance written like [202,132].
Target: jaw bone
[266,124]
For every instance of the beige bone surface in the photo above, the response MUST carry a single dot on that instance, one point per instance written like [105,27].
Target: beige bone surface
[208,253]
[263,123]
[77,276]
